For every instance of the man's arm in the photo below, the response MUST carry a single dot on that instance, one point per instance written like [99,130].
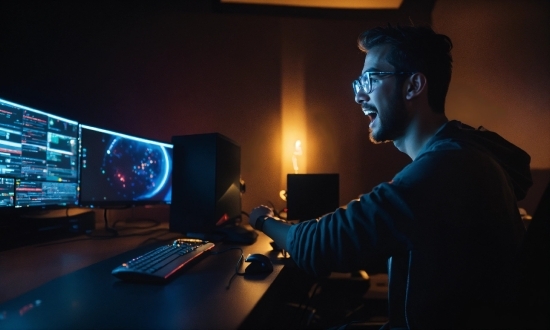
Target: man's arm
[277,230]
[263,219]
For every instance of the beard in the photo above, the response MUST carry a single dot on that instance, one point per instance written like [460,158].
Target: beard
[393,120]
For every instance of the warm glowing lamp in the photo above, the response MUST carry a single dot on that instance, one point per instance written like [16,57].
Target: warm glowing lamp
[297,153]
[294,137]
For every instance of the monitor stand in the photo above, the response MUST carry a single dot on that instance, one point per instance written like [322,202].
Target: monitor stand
[106,232]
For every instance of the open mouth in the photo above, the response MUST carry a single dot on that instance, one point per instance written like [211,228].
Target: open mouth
[371,113]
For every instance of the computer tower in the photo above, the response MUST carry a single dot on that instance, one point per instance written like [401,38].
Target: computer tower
[205,183]
[310,196]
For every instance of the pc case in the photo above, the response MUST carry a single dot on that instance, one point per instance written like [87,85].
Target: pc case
[205,182]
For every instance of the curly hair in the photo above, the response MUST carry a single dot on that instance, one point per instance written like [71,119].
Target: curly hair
[416,49]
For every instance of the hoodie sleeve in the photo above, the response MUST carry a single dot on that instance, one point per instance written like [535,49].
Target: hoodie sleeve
[351,237]
[437,203]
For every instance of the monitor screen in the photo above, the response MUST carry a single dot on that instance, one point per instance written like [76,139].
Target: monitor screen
[123,170]
[7,192]
[40,151]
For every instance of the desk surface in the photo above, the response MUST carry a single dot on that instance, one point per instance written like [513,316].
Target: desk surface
[68,284]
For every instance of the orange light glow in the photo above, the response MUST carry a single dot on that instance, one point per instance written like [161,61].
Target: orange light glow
[293,106]
[296,154]
[340,4]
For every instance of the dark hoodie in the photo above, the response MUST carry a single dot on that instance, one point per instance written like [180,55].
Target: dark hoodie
[448,224]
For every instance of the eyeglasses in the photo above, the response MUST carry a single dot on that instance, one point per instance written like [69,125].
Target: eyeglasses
[367,82]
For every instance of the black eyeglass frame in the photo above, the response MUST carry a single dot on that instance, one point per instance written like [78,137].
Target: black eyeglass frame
[365,81]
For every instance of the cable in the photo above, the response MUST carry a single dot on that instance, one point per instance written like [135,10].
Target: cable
[275,212]
[285,254]
[315,288]
[239,263]
[107,228]
[113,232]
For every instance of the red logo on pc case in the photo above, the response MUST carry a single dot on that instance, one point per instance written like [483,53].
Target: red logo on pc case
[223,219]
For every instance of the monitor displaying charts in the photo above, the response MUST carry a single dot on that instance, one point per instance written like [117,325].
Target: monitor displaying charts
[39,150]
[123,170]
[7,192]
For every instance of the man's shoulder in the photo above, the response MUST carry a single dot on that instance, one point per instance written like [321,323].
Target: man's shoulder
[444,159]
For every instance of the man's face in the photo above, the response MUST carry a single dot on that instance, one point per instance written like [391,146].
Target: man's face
[384,104]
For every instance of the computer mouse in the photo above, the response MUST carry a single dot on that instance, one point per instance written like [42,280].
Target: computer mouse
[259,263]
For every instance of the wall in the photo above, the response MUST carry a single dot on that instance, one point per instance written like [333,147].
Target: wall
[173,69]
[162,70]
[501,74]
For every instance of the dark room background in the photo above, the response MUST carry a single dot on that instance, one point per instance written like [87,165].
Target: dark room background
[267,79]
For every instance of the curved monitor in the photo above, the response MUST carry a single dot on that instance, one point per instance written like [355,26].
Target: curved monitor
[123,170]
[39,150]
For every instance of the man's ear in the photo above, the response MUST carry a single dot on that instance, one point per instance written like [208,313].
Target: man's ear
[416,85]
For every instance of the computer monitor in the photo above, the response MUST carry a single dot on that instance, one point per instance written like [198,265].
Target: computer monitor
[123,170]
[39,150]
[7,192]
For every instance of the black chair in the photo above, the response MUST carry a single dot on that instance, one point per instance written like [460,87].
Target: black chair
[531,275]
[534,270]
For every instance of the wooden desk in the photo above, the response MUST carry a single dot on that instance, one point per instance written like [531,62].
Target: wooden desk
[68,285]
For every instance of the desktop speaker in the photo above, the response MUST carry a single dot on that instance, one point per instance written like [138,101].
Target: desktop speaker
[310,196]
[205,183]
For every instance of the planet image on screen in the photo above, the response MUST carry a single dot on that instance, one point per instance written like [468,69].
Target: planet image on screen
[134,169]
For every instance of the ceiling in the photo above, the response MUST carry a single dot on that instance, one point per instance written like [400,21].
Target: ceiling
[340,4]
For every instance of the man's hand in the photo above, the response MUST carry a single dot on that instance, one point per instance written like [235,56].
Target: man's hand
[260,211]
[274,228]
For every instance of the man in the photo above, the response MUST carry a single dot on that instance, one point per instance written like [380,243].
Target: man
[448,222]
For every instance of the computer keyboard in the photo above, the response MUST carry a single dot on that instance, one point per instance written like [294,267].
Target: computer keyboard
[160,264]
